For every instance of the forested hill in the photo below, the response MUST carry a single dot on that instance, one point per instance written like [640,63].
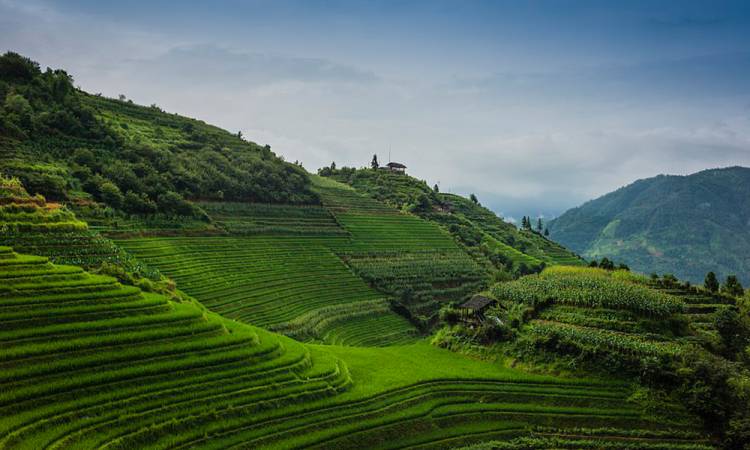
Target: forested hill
[685,225]
[68,145]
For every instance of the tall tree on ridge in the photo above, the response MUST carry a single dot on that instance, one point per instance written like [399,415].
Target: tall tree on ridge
[711,283]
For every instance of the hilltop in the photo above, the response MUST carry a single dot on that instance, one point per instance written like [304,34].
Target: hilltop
[68,145]
[685,225]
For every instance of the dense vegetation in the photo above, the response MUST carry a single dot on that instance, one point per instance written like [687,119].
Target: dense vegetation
[68,145]
[684,225]
[684,343]
[170,375]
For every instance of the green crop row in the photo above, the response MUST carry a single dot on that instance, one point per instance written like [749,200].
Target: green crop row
[585,287]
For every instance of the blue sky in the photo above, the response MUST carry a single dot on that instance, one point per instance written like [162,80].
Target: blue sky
[535,107]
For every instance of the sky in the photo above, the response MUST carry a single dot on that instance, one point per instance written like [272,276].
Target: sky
[535,107]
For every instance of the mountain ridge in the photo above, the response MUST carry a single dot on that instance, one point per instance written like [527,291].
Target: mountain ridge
[681,224]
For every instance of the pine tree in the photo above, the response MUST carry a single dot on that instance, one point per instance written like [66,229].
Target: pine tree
[436,188]
[333,165]
[711,283]
[732,286]
[474,199]
[539,224]
[374,164]
[546,231]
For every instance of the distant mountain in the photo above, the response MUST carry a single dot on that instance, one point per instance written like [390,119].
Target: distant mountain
[685,225]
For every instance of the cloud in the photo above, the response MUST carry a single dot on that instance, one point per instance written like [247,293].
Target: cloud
[527,142]
[208,64]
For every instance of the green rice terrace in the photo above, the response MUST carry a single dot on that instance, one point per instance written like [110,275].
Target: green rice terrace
[171,375]
[165,284]
[89,362]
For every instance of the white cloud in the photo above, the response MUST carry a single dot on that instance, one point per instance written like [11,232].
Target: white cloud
[525,143]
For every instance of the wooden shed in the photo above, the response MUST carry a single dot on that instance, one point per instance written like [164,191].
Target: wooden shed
[474,308]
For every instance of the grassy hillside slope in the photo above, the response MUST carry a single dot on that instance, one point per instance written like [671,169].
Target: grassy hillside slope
[685,225]
[684,343]
[170,375]
[300,269]
[69,145]
[489,239]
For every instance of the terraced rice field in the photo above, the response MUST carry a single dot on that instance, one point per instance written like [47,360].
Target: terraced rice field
[254,218]
[593,310]
[32,225]
[701,309]
[396,252]
[88,363]
[293,285]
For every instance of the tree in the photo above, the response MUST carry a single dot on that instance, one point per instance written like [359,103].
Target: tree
[333,165]
[546,231]
[374,164]
[239,134]
[732,286]
[593,263]
[474,199]
[607,264]
[539,224]
[436,188]
[710,282]
[18,110]
[111,195]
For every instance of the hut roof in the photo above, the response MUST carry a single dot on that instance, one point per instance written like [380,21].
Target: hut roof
[396,165]
[478,302]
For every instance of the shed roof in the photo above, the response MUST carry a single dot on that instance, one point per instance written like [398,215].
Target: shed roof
[478,302]
[396,165]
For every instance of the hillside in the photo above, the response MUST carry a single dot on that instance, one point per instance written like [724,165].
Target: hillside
[72,146]
[683,343]
[487,237]
[169,374]
[685,225]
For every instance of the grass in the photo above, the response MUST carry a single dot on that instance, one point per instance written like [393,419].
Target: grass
[171,375]
[291,284]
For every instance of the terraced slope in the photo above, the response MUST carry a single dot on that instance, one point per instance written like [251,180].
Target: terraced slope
[30,224]
[87,362]
[254,218]
[596,310]
[701,309]
[529,243]
[400,254]
[469,223]
[294,285]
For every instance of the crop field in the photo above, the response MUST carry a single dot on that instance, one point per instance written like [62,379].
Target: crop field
[701,308]
[398,252]
[590,288]
[172,375]
[528,243]
[293,285]
[32,225]
[87,362]
[256,218]
[604,313]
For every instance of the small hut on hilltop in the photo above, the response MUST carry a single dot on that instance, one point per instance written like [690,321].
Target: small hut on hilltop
[395,167]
